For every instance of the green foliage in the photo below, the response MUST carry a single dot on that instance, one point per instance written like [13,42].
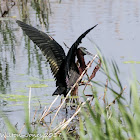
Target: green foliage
[13,97]
[119,121]
[37,79]
[131,62]
[37,85]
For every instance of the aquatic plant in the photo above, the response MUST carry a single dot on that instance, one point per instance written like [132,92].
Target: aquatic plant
[117,119]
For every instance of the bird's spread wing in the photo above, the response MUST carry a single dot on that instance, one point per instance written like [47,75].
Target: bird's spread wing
[71,54]
[76,44]
[50,48]
[79,40]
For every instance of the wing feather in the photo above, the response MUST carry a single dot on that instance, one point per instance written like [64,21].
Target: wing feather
[53,52]
[70,58]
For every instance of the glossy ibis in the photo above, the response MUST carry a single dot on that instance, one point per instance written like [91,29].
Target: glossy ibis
[63,66]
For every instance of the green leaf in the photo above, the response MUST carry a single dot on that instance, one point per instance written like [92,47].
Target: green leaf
[131,62]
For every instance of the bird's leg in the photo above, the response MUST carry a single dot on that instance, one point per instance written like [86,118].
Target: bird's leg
[67,101]
[66,108]
[74,93]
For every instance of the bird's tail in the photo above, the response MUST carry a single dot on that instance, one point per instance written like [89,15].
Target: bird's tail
[59,91]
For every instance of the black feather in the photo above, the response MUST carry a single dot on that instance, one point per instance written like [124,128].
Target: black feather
[63,67]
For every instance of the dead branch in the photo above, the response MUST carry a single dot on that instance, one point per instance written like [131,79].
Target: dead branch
[81,76]
[105,90]
[64,125]
[93,73]
[113,102]
[47,110]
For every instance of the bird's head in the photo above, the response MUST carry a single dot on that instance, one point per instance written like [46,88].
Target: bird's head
[84,51]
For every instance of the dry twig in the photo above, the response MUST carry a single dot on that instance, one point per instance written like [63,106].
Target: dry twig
[93,73]
[64,125]
[81,76]
[47,110]
[105,90]
[113,102]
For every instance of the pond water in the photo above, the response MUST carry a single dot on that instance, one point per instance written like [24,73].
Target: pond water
[23,64]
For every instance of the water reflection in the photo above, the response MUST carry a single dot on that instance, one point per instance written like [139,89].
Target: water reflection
[43,9]
[4,77]
[7,50]
[21,61]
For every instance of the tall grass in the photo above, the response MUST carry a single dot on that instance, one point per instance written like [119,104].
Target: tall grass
[115,120]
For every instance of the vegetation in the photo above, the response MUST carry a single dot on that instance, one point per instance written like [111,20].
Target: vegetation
[114,115]
[115,120]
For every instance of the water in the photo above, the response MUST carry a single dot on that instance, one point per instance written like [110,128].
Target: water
[22,63]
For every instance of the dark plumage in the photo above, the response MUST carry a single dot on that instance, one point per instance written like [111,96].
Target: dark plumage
[63,67]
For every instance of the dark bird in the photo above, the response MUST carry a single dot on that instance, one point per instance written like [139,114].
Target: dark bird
[63,66]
